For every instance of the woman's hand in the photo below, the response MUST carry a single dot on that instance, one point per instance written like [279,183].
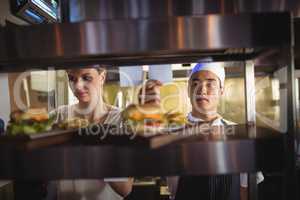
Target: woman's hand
[244,193]
[122,188]
[150,92]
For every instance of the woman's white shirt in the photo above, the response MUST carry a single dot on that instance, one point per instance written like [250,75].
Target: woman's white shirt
[86,189]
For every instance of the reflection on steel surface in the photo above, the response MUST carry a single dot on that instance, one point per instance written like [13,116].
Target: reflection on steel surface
[88,157]
[82,10]
[159,40]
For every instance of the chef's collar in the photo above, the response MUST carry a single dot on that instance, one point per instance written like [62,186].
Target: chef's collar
[216,122]
[193,119]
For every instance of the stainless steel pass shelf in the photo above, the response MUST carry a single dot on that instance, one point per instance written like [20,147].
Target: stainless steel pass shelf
[247,150]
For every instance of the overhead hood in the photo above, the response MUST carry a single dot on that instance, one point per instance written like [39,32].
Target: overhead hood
[82,10]
[138,41]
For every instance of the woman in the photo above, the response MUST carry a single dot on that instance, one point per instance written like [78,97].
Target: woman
[87,86]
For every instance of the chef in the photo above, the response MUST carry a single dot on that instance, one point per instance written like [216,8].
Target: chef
[205,88]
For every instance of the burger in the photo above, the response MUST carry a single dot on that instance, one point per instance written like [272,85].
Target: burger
[30,121]
[151,118]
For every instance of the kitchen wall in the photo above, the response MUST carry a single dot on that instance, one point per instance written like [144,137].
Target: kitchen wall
[6,15]
[4,86]
[36,99]
[174,97]
[232,105]
[5,98]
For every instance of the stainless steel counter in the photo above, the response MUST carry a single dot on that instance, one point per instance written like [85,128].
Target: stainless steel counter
[118,156]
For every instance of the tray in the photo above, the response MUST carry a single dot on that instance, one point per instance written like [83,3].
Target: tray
[43,139]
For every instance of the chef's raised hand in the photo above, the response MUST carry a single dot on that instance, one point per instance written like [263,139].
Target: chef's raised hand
[150,92]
